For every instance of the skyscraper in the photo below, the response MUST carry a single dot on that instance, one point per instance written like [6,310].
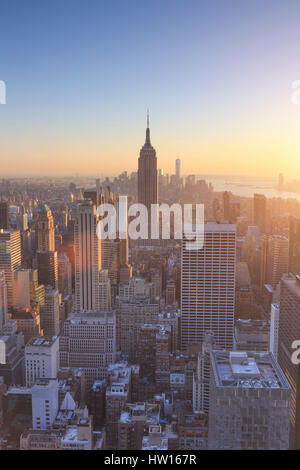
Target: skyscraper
[289,331]
[208,287]
[3,300]
[48,268]
[50,312]
[260,211]
[10,259]
[88,340]
[274,259]
[278,264]
[64,275]
[294,245]
[45,230]
[226,205]
[147,176]
[105,290]
[46,254]
[87,259]
[249,402]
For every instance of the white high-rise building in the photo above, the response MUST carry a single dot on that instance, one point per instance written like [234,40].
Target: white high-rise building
[41,359]
[3,300]
[208,287]
[44,403]
[87,259]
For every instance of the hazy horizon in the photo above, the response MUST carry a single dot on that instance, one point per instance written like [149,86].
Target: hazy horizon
[216,76]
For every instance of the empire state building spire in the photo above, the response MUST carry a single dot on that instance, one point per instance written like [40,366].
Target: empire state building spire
[148,142]
[147,173]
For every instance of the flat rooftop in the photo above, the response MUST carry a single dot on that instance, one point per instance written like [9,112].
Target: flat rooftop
[45,341]
[292,283]
[247,370]
[88,317]
[210,227]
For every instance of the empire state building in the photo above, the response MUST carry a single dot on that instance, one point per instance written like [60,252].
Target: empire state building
[147,174]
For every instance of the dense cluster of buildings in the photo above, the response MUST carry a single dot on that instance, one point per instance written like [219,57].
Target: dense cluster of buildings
[147,344]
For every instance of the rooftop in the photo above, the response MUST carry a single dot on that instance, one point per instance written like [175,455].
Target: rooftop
[45,341]
[247,370]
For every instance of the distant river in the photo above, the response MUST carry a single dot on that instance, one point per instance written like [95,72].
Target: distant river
[246,186]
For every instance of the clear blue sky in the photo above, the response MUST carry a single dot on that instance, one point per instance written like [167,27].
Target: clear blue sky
[80,75]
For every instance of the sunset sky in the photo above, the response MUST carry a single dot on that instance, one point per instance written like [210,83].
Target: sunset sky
[216,76]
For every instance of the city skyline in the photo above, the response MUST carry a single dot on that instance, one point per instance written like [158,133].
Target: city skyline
[149,228]
[217,79]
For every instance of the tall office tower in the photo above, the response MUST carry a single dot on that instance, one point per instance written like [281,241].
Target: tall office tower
[130,316]
[289,331]
[37,291]
[125,273]
[88,341]
[147,176]
[3,301]
[45,230]
[273,260]
[153,355]
[201,380]
[264,262]
[41,359]
[177,168]
[105,290]
[44,403]
[4,215]
[208,287]
[10,259]
[260,211]
[122,220]
[110,250]
[278,262]
[87,259]
[294,245]
[47,268]
[249,402]
[50,312]
[22,289]
[216,211]
[226,205]
[64,275]
[146,350]
[274,330]
[46,254]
